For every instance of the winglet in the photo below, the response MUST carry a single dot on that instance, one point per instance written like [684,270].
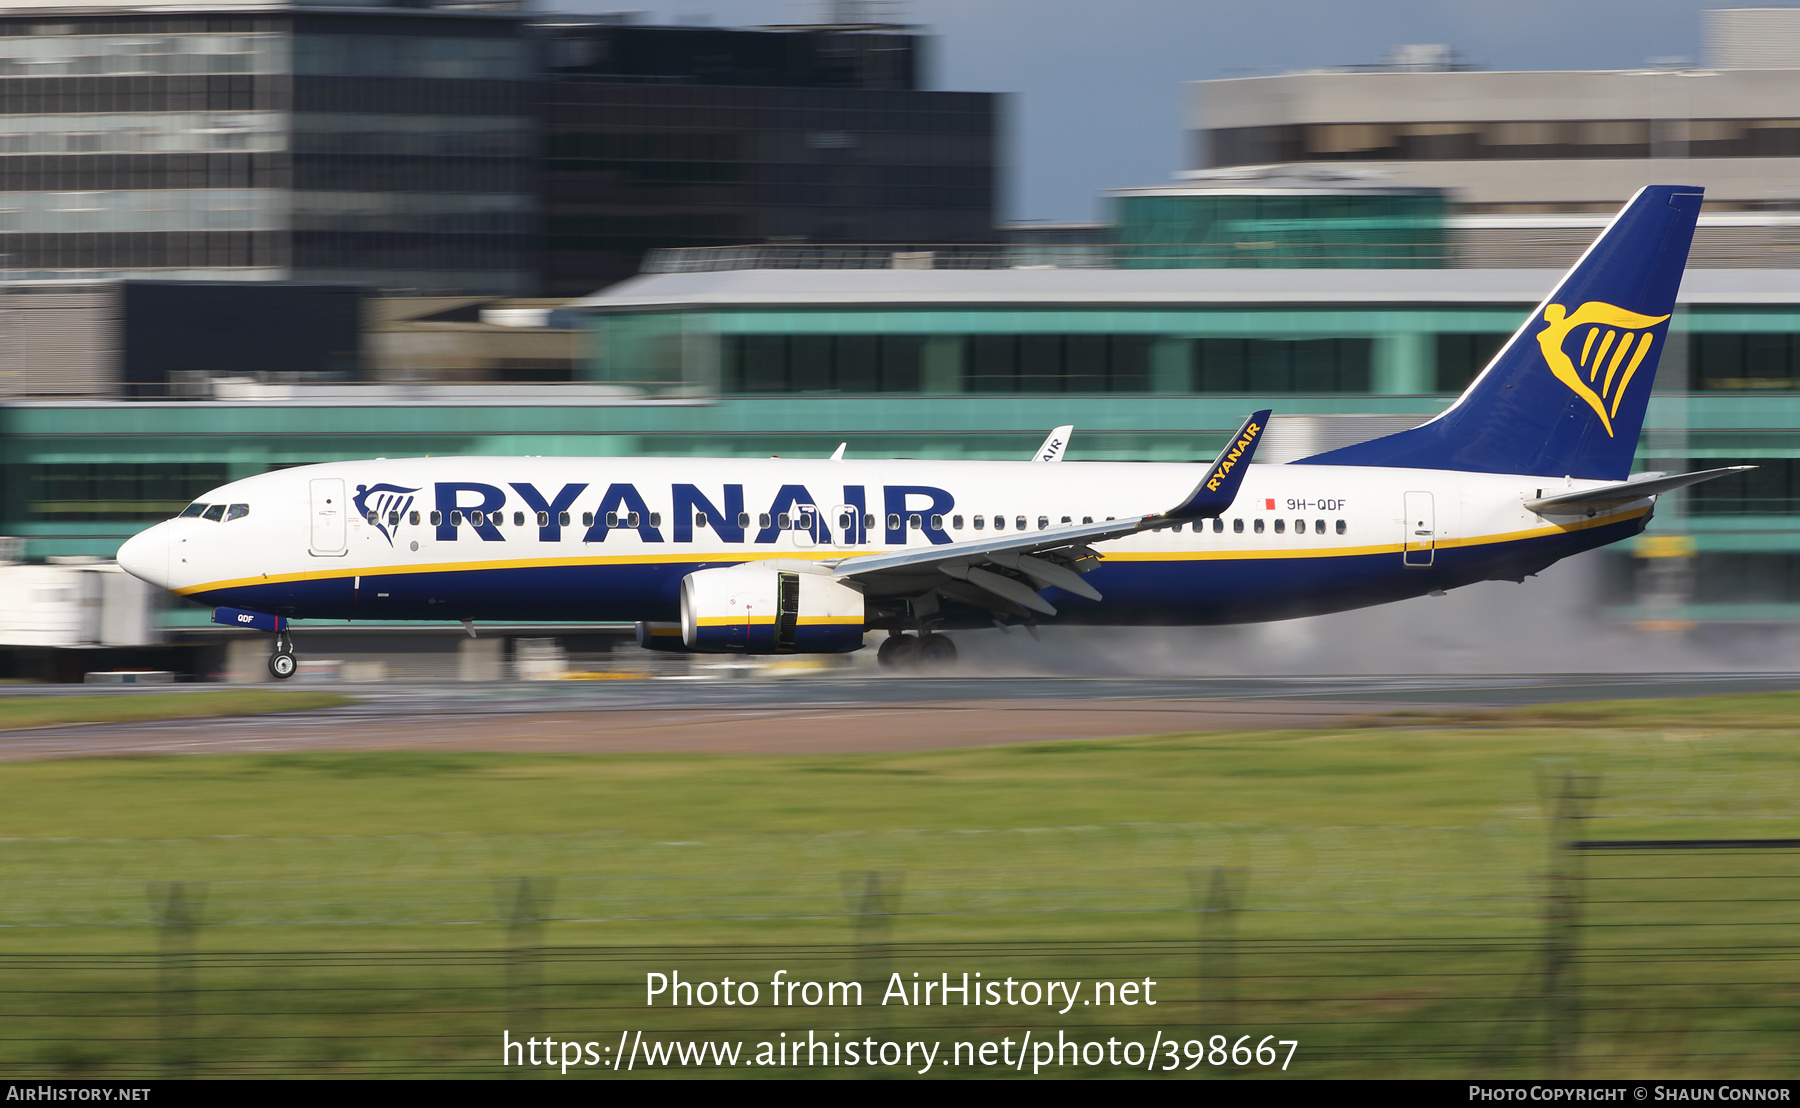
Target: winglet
[1215,492]
[1055,444]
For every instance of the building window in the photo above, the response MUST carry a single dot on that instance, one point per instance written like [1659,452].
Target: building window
[1462,357]
[1743,361]
[126,491]
[1264,366]
[1772,488]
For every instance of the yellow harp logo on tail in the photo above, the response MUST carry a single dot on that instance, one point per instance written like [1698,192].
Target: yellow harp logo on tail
[1613,340]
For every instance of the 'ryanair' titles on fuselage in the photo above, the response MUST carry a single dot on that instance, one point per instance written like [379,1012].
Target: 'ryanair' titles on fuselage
[845,521]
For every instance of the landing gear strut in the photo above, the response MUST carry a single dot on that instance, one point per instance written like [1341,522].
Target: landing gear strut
[913,653]
[281,663]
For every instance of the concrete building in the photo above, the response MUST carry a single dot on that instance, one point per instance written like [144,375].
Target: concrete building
[1527,142]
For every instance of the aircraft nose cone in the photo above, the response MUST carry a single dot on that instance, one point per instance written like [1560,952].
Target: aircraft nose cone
[146,556]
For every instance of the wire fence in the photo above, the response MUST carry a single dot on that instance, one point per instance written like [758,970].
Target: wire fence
[1465,952]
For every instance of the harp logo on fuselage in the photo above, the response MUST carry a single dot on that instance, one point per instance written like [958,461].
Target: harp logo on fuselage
[1614,343]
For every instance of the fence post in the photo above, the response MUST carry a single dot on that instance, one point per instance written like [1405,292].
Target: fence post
[526,902]
[176,907]
[1217,915]
[875,906]
[1570,804]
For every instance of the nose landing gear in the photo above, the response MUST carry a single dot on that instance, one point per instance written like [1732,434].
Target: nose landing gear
[281,663]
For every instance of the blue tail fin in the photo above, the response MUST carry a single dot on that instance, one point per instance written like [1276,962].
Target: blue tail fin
[1567,393]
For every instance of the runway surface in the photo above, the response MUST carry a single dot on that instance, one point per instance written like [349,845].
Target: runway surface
[816,715]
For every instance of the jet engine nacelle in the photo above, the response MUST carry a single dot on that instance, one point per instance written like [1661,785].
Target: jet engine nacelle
[763,609]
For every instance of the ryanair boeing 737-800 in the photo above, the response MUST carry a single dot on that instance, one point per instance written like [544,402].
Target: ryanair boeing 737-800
[1530,465]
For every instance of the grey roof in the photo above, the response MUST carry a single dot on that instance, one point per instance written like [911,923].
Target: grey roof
[1149,287]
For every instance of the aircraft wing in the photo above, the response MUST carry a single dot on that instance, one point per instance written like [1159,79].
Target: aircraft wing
[1003,572]
[1055,445]
[1624,492]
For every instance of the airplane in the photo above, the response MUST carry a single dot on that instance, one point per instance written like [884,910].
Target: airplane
[1531,464]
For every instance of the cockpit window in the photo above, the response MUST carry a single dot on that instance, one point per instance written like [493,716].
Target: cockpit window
[236,511]
[191,511]
[215,513]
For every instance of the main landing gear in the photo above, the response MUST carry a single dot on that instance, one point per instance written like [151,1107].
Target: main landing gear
[281,663]
[924,652]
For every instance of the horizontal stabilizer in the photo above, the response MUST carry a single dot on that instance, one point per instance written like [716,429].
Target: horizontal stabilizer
[1624,492]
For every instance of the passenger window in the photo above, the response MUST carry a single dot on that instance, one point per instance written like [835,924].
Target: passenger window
[846,521]
[980,523]
[656,519]
[1043,522]
[562,518]
[543,519]
[631,520]
[519,519]
[999,523]
[763,521]
[937,523]
[914,521]
[744,520]
[1019,524]
[239,511]
[869,520]
[804,522]
[477,518]
[783,522]
[1257,526]
[1219,525]
[1176,528]
[498,519]
[215,512]
[1237,526]
[612,519]
[699,519]
[437,519]
[191,511]
[587,519]
[456,519]
[413,518]
[393,517]
[1066,520]
[1299,527]
[1340,527]
[956,523]
[1280,526]
[893,521]
[1318,527]
[371,516]
[1087,519]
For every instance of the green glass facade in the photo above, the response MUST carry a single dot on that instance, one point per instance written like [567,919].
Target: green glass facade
[1280,229]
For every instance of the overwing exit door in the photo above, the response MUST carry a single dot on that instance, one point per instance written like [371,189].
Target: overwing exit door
[1419,545]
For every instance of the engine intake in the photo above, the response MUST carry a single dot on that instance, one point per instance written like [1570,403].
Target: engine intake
[759,609]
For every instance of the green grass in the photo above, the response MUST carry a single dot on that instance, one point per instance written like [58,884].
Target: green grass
[1390,907]
[18,712]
